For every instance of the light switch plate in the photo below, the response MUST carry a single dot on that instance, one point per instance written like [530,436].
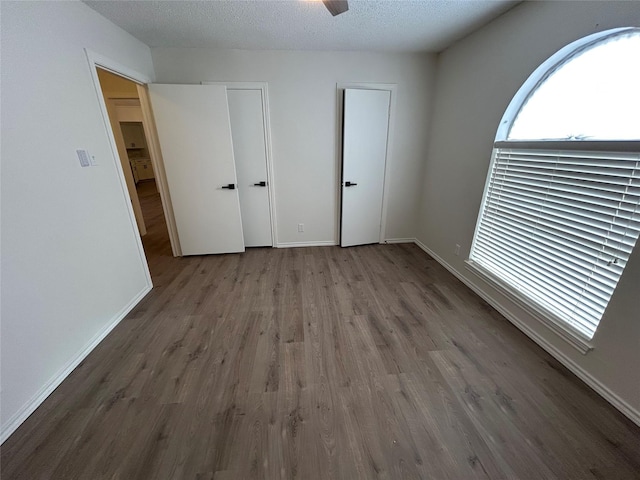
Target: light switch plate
[84,158]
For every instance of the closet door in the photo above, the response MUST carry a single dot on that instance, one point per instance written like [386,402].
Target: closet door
[195,138]
[250,150]
[364,153]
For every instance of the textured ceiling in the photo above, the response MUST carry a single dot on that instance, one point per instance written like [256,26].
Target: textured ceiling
[391,25]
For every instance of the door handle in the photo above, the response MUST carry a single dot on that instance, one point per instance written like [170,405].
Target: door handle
[350,184]
[260,184]
[231,186]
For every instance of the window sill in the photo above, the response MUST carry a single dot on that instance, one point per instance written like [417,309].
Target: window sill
[568,334]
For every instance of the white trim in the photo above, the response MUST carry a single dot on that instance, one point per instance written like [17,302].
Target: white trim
[631,146]
[624,407]
[322,243]
[572,338]
[98,60]
[399,240]
[41,395]
[392,88]
[266,122]
[95,60]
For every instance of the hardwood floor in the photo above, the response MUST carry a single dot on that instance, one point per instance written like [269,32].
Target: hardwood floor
[318,363]
[156,241]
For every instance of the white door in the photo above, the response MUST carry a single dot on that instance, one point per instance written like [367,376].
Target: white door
[364,153]
[250,151]
[195,138]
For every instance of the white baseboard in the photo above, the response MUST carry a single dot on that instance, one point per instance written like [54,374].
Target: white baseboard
[322,243]
[326,243]
[399,240]
[626,409]
[34,402]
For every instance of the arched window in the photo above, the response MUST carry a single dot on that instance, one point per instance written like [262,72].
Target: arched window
[561,209]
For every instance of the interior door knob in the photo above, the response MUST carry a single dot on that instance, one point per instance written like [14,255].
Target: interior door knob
[260,184]
[350,184]
[231,186]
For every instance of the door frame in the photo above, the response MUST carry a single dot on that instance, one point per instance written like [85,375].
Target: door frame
[264,92]
[157,163]
[392,88]
[95,61]
[112,110]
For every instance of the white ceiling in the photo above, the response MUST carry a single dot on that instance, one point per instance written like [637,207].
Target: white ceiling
[391,25]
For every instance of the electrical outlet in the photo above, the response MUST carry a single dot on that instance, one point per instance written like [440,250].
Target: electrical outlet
[300,227]
[457,250]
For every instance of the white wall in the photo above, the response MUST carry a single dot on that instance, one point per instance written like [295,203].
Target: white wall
[70,259]
[476,80]
[302,100]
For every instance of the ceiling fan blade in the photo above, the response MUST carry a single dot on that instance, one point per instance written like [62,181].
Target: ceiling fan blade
[336,7]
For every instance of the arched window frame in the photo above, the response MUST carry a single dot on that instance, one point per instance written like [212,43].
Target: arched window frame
[543,72]
[520,99]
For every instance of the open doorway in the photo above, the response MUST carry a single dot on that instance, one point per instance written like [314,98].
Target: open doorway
[127,122]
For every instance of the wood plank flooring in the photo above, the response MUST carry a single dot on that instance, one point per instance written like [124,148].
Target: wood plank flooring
[318,363]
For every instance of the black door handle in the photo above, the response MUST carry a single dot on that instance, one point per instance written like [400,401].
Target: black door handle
[349,184]
[231,186]
[260,184]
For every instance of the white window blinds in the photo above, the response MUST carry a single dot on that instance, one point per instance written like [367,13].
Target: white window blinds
[558,226]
